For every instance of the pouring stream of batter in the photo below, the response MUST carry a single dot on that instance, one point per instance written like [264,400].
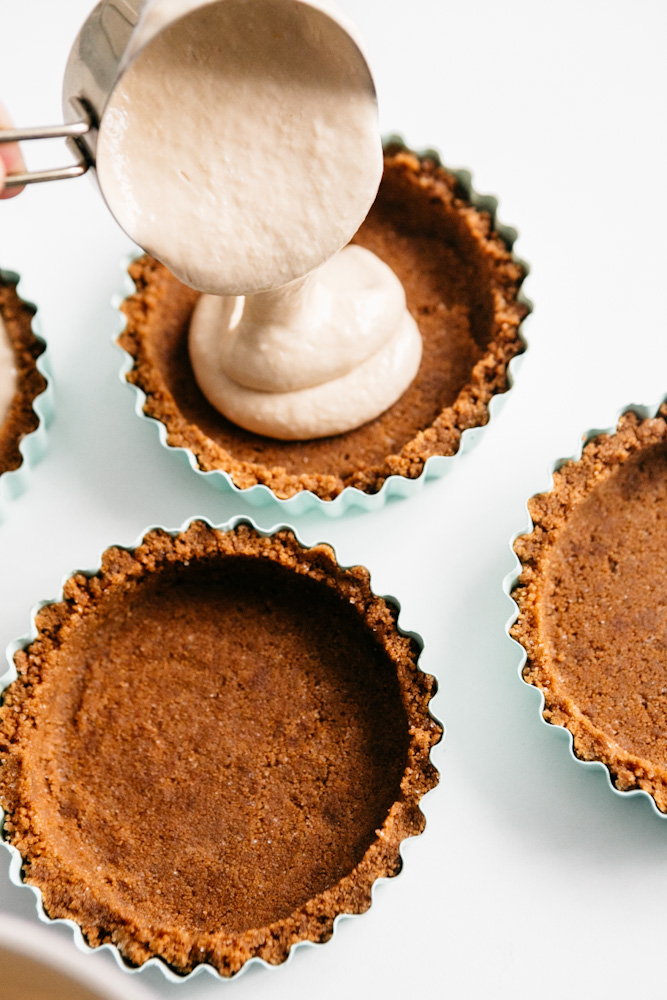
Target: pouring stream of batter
[241,148]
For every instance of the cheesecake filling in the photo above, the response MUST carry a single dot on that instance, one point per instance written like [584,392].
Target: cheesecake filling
[7,371]
[241,148]
[241,145]
[322,356]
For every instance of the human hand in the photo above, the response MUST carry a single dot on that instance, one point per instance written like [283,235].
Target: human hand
[11,160]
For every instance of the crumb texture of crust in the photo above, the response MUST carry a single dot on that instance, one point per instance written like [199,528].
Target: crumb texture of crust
[462,286]
[592,598]
[21,419]
[213,841]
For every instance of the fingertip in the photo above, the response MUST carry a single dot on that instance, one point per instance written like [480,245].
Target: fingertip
[5,192]
[11,159]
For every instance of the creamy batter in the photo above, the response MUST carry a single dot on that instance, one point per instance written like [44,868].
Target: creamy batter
[7,371]
[320,357]
[241,148]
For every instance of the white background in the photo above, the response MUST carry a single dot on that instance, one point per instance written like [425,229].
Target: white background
[532,878]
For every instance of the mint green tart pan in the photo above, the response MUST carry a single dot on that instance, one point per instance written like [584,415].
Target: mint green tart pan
[30,411]
[589,592]
[463,283]
[214,747]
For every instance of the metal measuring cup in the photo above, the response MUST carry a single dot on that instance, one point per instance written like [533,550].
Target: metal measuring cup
[92,71]
[102,52]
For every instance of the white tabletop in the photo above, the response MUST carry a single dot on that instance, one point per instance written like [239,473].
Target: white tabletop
[532,878]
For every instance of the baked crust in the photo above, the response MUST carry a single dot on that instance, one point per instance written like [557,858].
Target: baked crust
[21,419]
[592,600]
[462,286]
[310,725]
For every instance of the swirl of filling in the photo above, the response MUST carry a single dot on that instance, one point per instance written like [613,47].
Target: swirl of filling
[322,356]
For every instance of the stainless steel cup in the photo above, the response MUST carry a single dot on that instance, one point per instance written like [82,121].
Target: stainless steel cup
[92,71]
[101,53]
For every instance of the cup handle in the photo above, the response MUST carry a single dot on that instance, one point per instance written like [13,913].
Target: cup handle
[73,132]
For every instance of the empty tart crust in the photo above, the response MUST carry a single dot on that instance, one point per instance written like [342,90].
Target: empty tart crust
[20,419]
[592,600]
[214,746]
[462,286]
